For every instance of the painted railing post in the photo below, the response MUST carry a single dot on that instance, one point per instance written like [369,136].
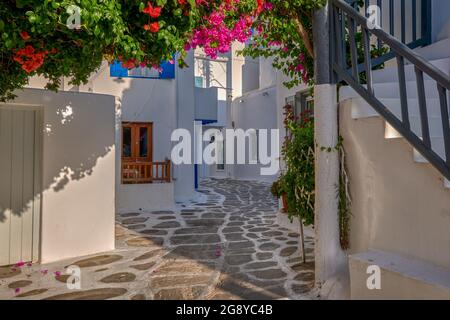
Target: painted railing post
[330,260]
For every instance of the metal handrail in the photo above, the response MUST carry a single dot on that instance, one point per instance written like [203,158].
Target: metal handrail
[345,16]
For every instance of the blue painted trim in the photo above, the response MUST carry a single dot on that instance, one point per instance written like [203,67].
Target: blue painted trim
[206,121]
[117,71]
[196,176]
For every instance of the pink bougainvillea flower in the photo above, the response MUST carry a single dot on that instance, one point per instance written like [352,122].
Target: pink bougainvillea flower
[268,6]
[17,290]
[171,61]
[24,35]
[153,12]
[44,272]
[58,273]
[19,264]
[29,264]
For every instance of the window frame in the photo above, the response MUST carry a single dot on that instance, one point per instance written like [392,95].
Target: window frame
[135,141]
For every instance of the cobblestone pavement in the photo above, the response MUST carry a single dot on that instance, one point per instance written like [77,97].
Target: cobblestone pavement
[226,245]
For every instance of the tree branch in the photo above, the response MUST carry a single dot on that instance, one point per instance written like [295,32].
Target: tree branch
[304,35]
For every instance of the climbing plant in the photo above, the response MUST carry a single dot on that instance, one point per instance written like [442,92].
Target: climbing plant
[70,38]
[297,182]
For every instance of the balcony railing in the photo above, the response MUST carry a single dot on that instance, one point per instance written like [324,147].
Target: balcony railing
[346,21]
[146,172]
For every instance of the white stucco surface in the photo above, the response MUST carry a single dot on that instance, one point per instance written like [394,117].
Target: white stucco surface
[255,110]
[78,172]
[141,197]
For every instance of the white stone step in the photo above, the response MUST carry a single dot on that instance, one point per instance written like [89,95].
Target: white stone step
[391,74]
[391,90]
[362,109]
[435,51]
[398,272]
[437,144]
[416,126]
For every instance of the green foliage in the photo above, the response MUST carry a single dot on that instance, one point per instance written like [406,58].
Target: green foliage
[298,180]
[280,36]
[110,29]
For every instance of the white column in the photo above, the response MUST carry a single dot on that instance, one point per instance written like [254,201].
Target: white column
[331,261]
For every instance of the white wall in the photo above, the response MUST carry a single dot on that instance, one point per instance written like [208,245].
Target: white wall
[145,197]
[206,104]
[255,110]
[250,75]
[267,73]
[78,172]
[184,174]
[144,100]
[440,22]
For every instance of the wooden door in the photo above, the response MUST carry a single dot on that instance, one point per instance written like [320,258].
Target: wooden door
[20,141]
[137,142]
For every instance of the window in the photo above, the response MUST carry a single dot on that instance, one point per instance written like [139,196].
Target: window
[220,156]
[137,142]
[254,147]
[199,82]
[301,102]
[304,102]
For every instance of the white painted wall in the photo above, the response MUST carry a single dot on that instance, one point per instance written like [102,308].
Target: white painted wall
[184,174]
[78,172]
[267,73]
[144,100]
[145,197]
[250,75]
[440,22]
[255,110]
[206,103]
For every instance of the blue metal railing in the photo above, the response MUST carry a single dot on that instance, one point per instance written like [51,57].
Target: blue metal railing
[346,22]
[407,20]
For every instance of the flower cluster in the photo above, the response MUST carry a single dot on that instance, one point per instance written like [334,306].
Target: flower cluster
[152,12]
[216,35]
[29,58]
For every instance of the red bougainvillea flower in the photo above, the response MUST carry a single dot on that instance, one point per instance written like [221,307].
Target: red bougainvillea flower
[30,60]
[154,27]
[182,2]
[24,35]
[129,64]
[260,6]
[153,12]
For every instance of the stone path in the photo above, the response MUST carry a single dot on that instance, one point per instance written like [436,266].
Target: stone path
[226,245]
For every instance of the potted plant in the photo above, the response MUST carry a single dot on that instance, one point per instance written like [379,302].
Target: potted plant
[278,192]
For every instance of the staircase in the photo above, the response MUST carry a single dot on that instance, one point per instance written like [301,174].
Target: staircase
[386,89]
[396,128]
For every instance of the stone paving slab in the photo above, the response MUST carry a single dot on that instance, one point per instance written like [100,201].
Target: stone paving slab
[225,246]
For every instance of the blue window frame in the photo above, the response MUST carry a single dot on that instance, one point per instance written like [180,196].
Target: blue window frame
[117,71]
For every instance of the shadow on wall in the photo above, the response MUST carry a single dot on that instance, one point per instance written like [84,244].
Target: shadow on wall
[78,130]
